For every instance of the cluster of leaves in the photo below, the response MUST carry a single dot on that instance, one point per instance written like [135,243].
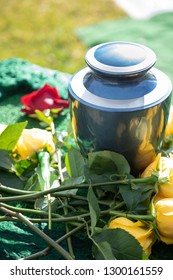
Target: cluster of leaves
[111,188]
[82,191]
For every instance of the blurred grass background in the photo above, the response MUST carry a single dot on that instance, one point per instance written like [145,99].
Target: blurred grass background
[43,31]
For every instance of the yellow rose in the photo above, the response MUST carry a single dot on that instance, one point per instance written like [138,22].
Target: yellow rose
[152,167]
[164,166]
[139,230]
[164,219]
[158,197]
[166,170]
[31,141]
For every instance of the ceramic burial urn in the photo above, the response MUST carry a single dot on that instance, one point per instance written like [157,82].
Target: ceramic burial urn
[120,102]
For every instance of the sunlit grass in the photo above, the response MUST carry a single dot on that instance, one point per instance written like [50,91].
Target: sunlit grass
[43,31]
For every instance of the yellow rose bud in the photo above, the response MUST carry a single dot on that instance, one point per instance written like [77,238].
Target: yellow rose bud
[152,167]
[139,230]
[164,167]
[164,219]
[33,140]
[166,170]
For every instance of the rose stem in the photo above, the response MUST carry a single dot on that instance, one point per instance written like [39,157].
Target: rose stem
[44,160]
[22,192]
[69,242]
[132,216]
[29,211]
[35,195]
[14,191]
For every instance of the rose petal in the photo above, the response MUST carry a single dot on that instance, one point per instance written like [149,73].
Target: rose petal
[45,98]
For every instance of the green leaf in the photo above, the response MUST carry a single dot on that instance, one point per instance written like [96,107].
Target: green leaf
[136,199]
[42,117]
[36,181]
[73,181]
[40,178]
[74,163]
[42,204]
[32,184]
[43,169]
[108,161]
[10,136]
[24,167]
[105,166]
[94,208]
[103,250]
[123,245]
[6,161]
[10,180]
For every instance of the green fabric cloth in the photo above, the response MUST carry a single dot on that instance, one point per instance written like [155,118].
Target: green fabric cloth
[18,241]
[156,33]
[18,77]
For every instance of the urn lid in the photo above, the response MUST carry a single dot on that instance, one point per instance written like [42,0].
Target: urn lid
[120,58]
[120,77]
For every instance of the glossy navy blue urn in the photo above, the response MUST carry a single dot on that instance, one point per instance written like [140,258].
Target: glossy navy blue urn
[120,102]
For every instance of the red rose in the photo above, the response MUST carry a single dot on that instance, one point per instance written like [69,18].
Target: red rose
[45,98]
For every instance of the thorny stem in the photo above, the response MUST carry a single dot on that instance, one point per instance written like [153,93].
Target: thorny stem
[131,216]
[69,242]
[55,218]
[59,218]
[35,195]
[29,211]
[14,191]
[55,194]
[80,218]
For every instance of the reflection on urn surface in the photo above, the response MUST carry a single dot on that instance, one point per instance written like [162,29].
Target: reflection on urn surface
[149,132]
[137,135]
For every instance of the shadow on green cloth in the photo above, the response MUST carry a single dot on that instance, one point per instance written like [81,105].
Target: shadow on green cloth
[18,241]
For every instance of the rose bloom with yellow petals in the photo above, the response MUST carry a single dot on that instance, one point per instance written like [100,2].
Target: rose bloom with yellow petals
[138,230]
[32,140]
[164,218]
[164,168]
